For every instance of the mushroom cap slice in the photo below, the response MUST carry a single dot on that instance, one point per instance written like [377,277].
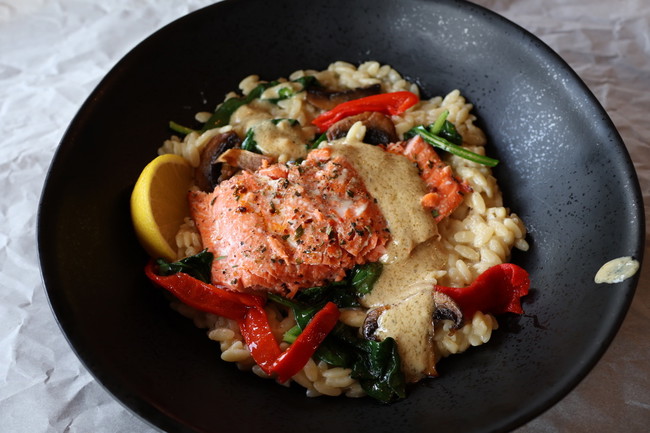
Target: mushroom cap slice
[446,309]
[211,171]
[327,99]
[371,324]
[380,129]
[245,159]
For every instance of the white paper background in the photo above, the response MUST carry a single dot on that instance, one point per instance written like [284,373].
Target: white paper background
[53,53]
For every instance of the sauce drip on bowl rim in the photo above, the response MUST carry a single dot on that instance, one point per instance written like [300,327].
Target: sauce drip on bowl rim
[617,270]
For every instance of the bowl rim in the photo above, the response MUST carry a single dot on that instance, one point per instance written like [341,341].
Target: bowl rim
[153,416]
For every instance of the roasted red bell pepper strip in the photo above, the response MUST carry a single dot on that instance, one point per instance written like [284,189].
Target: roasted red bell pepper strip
[259,338]
[253,322]
[497,290]
[387,103]
[292,360]
[203,296]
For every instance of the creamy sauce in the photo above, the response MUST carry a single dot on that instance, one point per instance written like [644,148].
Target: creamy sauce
[247,116]
[394,181]
[412,258]
[282,140]
[617,270]
[399,280]
[412,332]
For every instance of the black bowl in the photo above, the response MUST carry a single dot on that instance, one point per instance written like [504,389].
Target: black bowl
[564,170]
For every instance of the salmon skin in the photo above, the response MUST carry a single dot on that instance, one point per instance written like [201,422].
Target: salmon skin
[286,227]
[446,192]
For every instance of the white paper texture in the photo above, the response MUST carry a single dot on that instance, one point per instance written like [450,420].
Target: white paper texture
[54,52]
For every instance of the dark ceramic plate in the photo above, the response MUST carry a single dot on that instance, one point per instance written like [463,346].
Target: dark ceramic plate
[563,169]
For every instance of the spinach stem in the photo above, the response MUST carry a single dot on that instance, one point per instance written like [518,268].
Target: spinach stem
[180,128]
[439,123]
[454,149]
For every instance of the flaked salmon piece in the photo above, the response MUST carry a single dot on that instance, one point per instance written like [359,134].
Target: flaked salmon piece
[286,227]
[445,190]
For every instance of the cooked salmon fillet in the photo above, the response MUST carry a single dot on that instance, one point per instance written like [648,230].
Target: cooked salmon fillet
[445,190]
[286,227]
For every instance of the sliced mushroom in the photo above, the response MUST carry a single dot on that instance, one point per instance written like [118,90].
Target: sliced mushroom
[379,128]
[446,309]
[328,99]
[370,324]
[245,159]
[211,171]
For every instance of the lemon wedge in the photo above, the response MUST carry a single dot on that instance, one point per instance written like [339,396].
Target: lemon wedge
[159,204]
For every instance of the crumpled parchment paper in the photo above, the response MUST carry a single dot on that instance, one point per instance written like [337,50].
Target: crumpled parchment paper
[54,52]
